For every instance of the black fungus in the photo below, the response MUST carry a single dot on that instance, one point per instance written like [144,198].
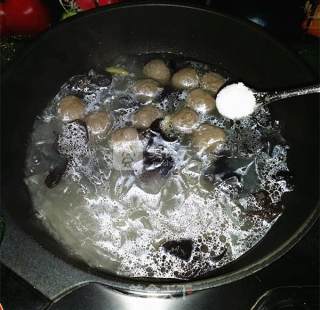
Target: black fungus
[266,209]
[167,166]
[55,175]
[286,176]
[166,91]
[155,126]
[178,63]
[152,160]
[169,94]
[76,83]
[156,156]
[80,86]
[217,257]
[158,160]
[263,198]
[268,214]
[181,249]
[271,140]
[220,171]
[99,79]
[127,101]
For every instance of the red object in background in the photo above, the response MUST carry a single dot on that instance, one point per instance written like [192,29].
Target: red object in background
[85,4]
[3,28]
[91,4]
[311,24]
[106,2]
[23,17]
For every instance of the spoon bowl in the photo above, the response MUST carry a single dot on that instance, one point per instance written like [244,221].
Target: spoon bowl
[236,101]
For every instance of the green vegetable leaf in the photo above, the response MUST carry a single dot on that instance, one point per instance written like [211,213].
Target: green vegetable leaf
[69,13]
[117,71]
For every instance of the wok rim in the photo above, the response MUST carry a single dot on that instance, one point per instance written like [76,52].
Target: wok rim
[141,286]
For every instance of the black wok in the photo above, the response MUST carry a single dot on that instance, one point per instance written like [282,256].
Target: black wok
[97,37]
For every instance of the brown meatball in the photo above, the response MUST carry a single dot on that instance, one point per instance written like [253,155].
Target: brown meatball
[156,69]
[145,116]
[185,120]
[207,137]
[185,79]
[98,122]
[71,108]
[146,89]
[123,136]
[127,148]
[201,101]
[212,82]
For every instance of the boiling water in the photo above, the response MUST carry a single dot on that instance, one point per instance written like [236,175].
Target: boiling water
[116,221]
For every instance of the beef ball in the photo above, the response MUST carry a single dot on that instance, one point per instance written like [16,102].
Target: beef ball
[127,148]
[186,78]
[145,116]
[185,120]
[157,70]
[207,138]
[98,122]
[124,135]
[71,108]
[201,101]
[212,82]
[146,89]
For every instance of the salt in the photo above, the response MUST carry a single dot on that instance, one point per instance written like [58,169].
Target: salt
[236,101]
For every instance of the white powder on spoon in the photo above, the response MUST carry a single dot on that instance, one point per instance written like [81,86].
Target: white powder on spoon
[236,101]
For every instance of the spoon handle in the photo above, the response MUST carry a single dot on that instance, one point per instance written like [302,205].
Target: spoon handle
[278,95]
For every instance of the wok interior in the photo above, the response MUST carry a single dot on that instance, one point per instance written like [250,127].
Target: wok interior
[99,37]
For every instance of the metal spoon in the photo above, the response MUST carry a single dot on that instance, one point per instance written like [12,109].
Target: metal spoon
[263,98]
[236,101]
